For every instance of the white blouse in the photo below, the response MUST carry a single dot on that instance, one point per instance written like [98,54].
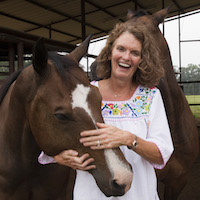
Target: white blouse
[143,115]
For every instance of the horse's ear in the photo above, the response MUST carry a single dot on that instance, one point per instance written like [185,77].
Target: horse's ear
[160,15]
[130,14]
[81,50]
[40,56]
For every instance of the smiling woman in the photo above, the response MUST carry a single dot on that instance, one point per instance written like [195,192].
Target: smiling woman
[133,111]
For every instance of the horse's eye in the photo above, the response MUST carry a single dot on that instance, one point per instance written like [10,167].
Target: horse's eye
[61,116]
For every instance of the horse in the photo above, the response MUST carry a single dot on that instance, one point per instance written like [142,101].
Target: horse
[181,120]
[44,107]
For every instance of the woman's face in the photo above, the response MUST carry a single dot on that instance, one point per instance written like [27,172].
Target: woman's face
[125,56]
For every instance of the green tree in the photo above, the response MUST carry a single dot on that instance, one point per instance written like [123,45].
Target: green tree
[191,73]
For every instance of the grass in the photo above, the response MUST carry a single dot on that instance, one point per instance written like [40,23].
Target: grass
[194,99]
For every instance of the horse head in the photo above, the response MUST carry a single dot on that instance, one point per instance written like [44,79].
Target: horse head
[62,104]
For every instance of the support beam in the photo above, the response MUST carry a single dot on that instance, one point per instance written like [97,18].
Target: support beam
[178,6]
[163,24]
[83,19]
[20,53]
[38,25]
[179,34]
[102,9]
[50,34]
[11,55]
[68,17]
[136,5]
[13,36]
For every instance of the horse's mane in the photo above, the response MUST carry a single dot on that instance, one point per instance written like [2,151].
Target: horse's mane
[7,84]
[140,13]
[63,64]
[137,13]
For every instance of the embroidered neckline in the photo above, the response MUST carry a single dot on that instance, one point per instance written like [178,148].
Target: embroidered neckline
[138,105]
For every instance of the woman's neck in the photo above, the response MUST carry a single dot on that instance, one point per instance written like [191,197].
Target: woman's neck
[120,88]
[117,90]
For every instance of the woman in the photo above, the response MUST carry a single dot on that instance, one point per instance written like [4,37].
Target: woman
[133,112]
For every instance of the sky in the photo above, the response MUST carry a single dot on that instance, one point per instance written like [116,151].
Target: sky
[189,30]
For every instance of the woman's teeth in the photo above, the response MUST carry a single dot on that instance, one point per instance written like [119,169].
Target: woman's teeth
[124,65]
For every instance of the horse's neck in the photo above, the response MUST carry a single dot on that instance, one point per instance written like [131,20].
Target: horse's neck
[14,124]
[4,105]
[169,87]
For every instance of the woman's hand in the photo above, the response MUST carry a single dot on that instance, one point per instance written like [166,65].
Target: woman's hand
[71,159]
[106,137]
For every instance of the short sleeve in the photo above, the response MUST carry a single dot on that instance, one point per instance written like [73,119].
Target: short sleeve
[45,159]
[158,131]
[94,83]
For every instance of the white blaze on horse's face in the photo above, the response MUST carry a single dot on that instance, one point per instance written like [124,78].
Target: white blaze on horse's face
[79,98]
[120,171]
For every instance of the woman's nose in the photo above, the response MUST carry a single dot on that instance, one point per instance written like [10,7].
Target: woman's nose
[126,55]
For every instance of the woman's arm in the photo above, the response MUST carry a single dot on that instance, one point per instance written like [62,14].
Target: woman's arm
[112,137]
[149,151]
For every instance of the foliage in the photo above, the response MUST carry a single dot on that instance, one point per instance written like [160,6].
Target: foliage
[190,73]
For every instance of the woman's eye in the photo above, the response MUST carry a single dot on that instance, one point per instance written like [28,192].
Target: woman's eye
[120,48]
[135,53]
[61,116]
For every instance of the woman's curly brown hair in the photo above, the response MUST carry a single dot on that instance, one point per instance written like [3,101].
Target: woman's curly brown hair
[149,70]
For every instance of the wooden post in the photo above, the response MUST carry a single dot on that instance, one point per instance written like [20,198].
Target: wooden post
[11,55]
[20,53]
[83,19]
[136,4]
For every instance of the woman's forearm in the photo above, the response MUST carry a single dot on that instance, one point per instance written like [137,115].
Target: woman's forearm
[148,150]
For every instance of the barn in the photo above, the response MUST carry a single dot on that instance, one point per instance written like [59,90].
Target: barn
[64,24]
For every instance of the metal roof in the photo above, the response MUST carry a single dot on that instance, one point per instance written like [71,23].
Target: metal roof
[69,20]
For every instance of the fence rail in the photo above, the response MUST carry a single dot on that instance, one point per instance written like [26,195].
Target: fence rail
[191,90]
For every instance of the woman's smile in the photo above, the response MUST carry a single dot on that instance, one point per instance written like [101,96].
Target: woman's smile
[124,65]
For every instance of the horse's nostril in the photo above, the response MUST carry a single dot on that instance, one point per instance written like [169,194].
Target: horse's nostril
[118,189]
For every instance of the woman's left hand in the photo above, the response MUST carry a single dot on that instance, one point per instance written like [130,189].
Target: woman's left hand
[106,137]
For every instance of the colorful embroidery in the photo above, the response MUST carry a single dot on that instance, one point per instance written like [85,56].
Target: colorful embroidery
[137,106]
